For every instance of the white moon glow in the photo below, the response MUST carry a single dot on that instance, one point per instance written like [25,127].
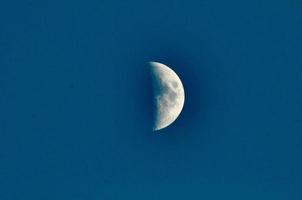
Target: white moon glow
[169,95]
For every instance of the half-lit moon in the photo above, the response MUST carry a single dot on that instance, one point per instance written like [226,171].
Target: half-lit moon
[169,95]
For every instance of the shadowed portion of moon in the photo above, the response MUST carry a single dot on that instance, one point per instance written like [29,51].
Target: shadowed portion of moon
[168,95]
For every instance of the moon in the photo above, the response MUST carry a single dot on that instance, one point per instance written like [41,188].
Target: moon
[168,93]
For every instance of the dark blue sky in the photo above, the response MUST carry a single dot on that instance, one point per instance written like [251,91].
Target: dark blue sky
[75,100]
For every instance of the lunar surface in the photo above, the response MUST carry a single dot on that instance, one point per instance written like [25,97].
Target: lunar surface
[169,95]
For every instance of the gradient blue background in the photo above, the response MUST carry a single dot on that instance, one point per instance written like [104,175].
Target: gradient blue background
[75,100]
